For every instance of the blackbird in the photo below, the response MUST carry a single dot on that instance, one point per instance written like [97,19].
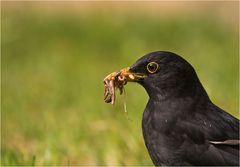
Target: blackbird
[180,124]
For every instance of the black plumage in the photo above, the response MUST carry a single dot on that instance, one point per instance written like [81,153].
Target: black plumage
[181,125]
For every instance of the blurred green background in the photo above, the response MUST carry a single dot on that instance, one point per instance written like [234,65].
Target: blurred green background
[56,54]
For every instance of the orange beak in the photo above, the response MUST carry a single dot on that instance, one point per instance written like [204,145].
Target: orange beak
[130,76]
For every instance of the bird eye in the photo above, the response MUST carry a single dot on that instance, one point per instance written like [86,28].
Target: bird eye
[152,67]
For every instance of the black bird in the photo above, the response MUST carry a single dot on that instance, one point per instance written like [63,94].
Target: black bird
[181,125]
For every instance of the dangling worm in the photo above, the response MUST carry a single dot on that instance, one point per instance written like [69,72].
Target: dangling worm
[112,82]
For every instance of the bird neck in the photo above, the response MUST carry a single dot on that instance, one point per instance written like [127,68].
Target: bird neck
[177,90]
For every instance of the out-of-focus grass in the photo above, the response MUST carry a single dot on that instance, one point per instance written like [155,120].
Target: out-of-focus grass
[52,93]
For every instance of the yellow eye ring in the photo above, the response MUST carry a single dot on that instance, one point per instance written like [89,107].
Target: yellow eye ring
[152,67]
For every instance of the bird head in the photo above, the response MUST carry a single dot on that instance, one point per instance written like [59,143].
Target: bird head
[164,74]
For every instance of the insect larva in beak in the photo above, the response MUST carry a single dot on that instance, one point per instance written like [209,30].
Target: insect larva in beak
[113,81]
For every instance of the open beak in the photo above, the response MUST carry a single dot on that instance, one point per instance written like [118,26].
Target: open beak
[130,76]
[117,80]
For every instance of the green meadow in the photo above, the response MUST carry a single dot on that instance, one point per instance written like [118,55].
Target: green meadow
[53,65]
